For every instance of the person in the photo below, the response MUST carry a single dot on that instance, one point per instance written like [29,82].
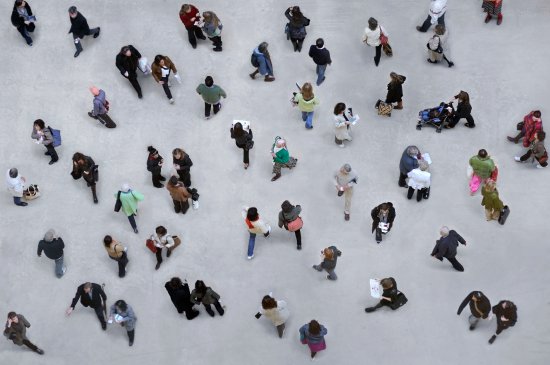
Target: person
[23,19]
[123,314]
[306,102]
[330,257]
[463,110]
[297,23]
[382,216]
[208,297]
[435,15]
[313,335]
[129,199]
[409,161]
[262,63]
[80,29]
[445,247]
[43,135]
[179,194]
[84,166]
[101,108]
[162,239]
[118,253]
[287,216]
[343,120]
[127,61]
[53,248]
[181,297]
[483,167]
[492,203]
[243,139]
[15,330]
[276,311]
[16,186]
[212,27]
[419,181]
[190,17]
[344,180]
[161,67]
[493,8]
[480,307]
[532,123]
[372,38]
[255,226]
[437,46]
[391,297]
[211,95]
[91,295]
[321,57]
[182,164]
[536,151]
[154,165]
[395,90]
[281,158]
[506,313]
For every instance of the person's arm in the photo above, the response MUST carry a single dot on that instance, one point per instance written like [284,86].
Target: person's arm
[35,135]
[39,249]
[130,315]
[250,133]
[287,14]
[459,238]
[169,241]
[231,133]
[329,61]
[464,303]
[172,65]
[310,53]
[213,294]
[76,297]
[298,209]
[188,163]
[222,92]
[199,89]
[281,220]
[137,195]
[24,320]
[118,63]
[194,299]
[134,51]
[435,251]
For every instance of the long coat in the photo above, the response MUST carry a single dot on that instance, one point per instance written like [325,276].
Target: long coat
[376,220]
[156,69]
[17,332]
[128,64]
[18,21]
[79,26]
[180,296]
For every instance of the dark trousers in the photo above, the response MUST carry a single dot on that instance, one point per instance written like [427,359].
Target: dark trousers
[378,54]
[528,155]
[217,41]
[159,254]
[428,22]
[455,263]
[500,328]
[51,152]
[457,118]
[419,193]
[78,44]
[132,221]
[218,306]
[181,207]
[281,330]
[166,87]
[185,178]
[122,262]
[245,153]
[207,108]
[24,31]
[298,235]
[193,33]
[99,313]
[190,313]
[402,182]
[133,80]
[156,177]
[297,43]
[30,345]
[131,335]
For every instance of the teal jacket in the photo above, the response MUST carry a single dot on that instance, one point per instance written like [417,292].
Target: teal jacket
[130,201]
[282,156]
[211,95]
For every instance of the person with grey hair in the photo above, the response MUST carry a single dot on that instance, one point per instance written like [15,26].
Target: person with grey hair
[53,246]
[16,186]
[80,29]
[91,295]
[419,181]
[408,162]
[128,199]
[446,246]
[344,180]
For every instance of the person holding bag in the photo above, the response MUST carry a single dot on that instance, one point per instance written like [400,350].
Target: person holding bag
[313,335]
[306,102]
[161,239]
[154,165]
[208,297]
[289,217]
[437,45]
[101,108]
[536,151]
[419,180]
[118,253]
[43,135]
[180,195]
[128,199]
[212,27]
[491,201]
[281,157]
[374,36]
[190,17]
[23,19]
[127,61]
[482,168]
[296,27]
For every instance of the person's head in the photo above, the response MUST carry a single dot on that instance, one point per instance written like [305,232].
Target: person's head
[280,143]
[482,153]
[296,13]
[238,129]
[286,207]
[319,43]
[210,17]
[269,302]
[464,97]
[73,12]
[314,327]
[94,90]
[396,78]
[200,286]
[477,295]
[328,253]
[13,317]
[440,29]
[175,282]
[423,165]
[13,173]
[178,153]
[126,51]
[87,287]
[490,185]
[173,181]
[339,108]
[263,47]
[508,304]
[307,91]
[125,188]
[209,81]
[412,151]
[121,305]
[19,3]
[345,169]
[159,60]
[252,214]
[386,283]
[39,124]
[79,158]
[373,23]
[185,8]
[152,151]
[160,231]
[444,231]
[540,135]
[107,240]
[49,236]
[384,208]
[537,114]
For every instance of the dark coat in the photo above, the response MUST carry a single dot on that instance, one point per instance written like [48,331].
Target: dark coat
[286,218]
[53,249]
[321,56]
[79,26]
[128,64]
[97,295]
[153,164]
[391,293]
[297,27]
[375,220]
[331,264]
[242,140]
[17,20]
[17,332]
[510,313]
[181,297]
[395,91]
[88,171]
[446,246]
[407,163]
[185,164]
[479,309]
[463,110]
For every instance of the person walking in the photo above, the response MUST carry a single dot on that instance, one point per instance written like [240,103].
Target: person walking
[463,110]
[483,167]
[162,239]
[261,59]
[391,297]
[118,253]
[480,307]
[23,19]
[91,295]
[80,29]
[289,217]
[330,257]
[154,165]
[161,67]
[313,335]
[306,102]
[435,15]
[15,330]
[395,90]
[532,123]
[208,297]
[321,57]
[372,36]
[419,180]
[409,161]
[179,194]
[211,95]
[127,61]
[506,313]
[296,27]
[182,164]
[85,167]
[181,297]
[446,246]
[536,151]
[343,120]
[212,27]
[276,311]
[43,135]
[123,314]
[243,139]
[191,18]
[382,216]
[255,226]
[492,203]
[129,199]
[16,186]
[101,108]
[53,247]
[437,46]
[344,180]
[281,157]
[492,8]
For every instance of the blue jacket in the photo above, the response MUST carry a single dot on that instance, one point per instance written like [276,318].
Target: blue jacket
[304,333]
[99,104]
[407,163]
[265,67]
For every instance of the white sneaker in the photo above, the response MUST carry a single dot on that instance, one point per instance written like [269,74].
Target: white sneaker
[171,101]
[539,166]
[251,257]
[342,145]
[64,270]
[517,159]
[195,204]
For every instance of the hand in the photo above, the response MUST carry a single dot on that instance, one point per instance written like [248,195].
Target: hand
[23,179]
[126,74]
[9,322]
[502,318]
[272,154]
[27,22]
[161,82]
[193,19]
[74,163]
[69,311]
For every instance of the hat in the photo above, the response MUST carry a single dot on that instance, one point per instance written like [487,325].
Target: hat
[49,236]
[94,90]
[72,9]
[152,150]
[125,188]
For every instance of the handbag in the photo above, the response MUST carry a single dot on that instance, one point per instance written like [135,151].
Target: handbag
[56,135]
[177,242]
[118,203]
[295,225]
[388,51]
[399,301]
[544,158]
[383,38]
[151,245]
[384,108]
[32,192]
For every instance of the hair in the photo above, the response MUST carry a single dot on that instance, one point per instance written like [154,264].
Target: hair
[173,180]
[490,185]
[423,165]
[87,285]
[158,58]
[307,91]
[464,97]
[209,81]
[175,282]
[121,304]
[78,156]
[107,240]
[18,2]
[124,49]
[314,327]
[210,16]
[72,9]
[537,114]
[40,123]
[185,8]
[238,129]
[297,13]
[440,29]
[263,47]
[329,254]
[320,43]
[269,302]
[252,214]
[152,150]
[412,151]
[541,135]
[346,167]
[161,230]
[384,206]
[11,315]
[200,286]
[444,231]
[482,153]
[13,172]
[178,151]
[386,283]
[373,23]
[339,108]
[287,207]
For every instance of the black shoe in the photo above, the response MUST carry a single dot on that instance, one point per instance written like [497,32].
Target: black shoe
[95,200]
[430,61]
[136,231]
[130,343]
[103,326]
[76,54]
[39,351]
[451,64]
[158,265]
[194,46]
[492,339]
[472,327]
[140,96]
[376,62]
[217,49]
[210,311]
[158,186]
[169,253]
[369,309]
[52,162]
[162,178]
[203,38]
[419,28]
[22,204]
[98,31]
[299,247]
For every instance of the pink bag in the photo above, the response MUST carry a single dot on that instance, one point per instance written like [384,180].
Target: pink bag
[475,182]
[295,225]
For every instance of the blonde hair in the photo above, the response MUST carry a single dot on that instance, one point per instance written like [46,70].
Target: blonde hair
[307,91]
[185,8]
[490,185]
[210,16]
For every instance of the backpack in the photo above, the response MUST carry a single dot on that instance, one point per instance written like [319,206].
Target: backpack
[254,60]
[56,134]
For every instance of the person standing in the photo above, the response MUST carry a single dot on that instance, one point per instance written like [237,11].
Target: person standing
[395,90]
[182,164]
[127,62]
[344,180]
[123,314]
[492,8]
[419,181]
[391,297]
[536,151]
[181,297]
[129,199]
[80,29]
[289,217]
[261,59]
[492,203]
[91,295]
[179,194]
[463,110]
[84,166]
[53,248]
[437,46]
[154,165]
[23,19]
[276,311]
[532,123]
[16,185]
[15,330]
[382,219]
[190,17]
[117,252]
[306,102]
[435,15]
[321,57]
[296,27]
[162,239]
[483,167]
[101,108]
[211,95]
[506,313]
[255,226]
[208,297]
[446,246]
[408,162]
[313,334]
[161,67]
[212,27]
[343,120]
[480,306]
[243,139]
[281,158]
[372,38]
[330,257]
[43,135]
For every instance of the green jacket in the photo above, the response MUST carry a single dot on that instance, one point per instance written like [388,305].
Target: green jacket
[211,95]
[482,166]
[282,156]
[491,200]
[305,105]
[130,201]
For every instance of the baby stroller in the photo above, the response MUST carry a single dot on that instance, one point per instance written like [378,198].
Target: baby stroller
[436,117]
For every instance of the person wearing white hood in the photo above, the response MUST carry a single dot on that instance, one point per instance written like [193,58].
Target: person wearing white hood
[128,199]
[436,15]
[16,185]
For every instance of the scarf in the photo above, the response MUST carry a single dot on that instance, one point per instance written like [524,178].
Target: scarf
[249,223]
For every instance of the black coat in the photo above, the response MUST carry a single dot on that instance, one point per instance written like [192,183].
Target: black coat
[181,297]
[153,164]
[510,313]
[79,26]
[463,110]
[391,293]
[483,305]
[88,171]
[128,64]
[53,249]
[185,165]
[242,140]
[17,20]
[375,220]
[446,246]
[395,91]
[97,295]
[321,56]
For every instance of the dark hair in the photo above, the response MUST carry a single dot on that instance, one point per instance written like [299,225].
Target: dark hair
[297,13]
[338,108]
[107,240]
[124,49]
[386,283]
[314,327]
[384,206]
[482,153]
[537,113]
[319,42]
[40,123]
[263,47]
[209,81]
[287,207]
[252,214]
[178,151]
[541,135]
[173,180]
[161,230]
[238,129]
[152,150]
[11,315]
[373,23]
[158,58]
[78,156]
[200,287]
[18,2]
[175,282]
[13,172]
[464,97]
[72,9]
[269,302]
[121,304]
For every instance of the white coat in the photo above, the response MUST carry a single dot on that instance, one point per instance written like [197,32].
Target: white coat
[419,179]
[259,226]
[278,315]
[341,131]
[373,36]
[16,185]
[437,9]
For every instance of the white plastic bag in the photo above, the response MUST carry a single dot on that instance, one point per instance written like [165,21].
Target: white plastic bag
[244,123]
[143,65]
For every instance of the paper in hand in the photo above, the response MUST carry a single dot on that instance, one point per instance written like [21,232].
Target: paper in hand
[375,288]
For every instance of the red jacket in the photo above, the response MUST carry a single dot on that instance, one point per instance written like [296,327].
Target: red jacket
[186,17]
[530,126]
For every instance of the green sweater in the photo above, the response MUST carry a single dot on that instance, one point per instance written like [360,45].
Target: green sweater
[282,156]
[305,105]
[129,201]
[491,201]
[211,95]
[482,166]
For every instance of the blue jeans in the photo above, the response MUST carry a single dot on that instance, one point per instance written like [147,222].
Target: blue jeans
[320,70]
[25,34]
[308,118]
[17,200]
[59,267]
[251,243]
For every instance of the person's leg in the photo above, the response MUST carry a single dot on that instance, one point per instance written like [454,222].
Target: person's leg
[294,43]
[313,353]
[94,193]
[78,45]
[473,322]
[276,170]
[332,275]
[526,156]
[94,32]
[207,108]
[30,345]
[496,214]
[191,35]
[156,178]
[217,42]
[159,257]
[132,221]
[122,262]
[372,309]
[488,214]
[246,157]
[131,337]
[304,116]
[281,330]
[177,205]
[25,34]
[17,201]
[309,120]
[456,264]
[298,235]
[426,25]
[100,316]
[217,107]
[320,70]
[402,182]
[378,54]
[166,87]
[59,267]
[52,152]
[420,194]
[209,310]
[300,43]
[410,193]
[251,244]
[219,308]
[441,20]
[198,33]
[133,80]
[470,123]
[348,194]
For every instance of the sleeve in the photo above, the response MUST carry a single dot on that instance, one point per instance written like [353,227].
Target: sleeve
[39,249]
[464,303]
[112,310]
[137,195]
[459,238]
[169,241]
[383,30]
[329,60]
[281,220]
[34,134]
[199,89]
[172,65]
[222,93]
[435,251]
[339,122]
[188,163]
[231,133]
[24,320]
[61,241]
[324,331]
[263,226]
[310,53]
[214,295]
[134,51]
[48,138]
[298,209]
[281,304]
[130,315]
[102,294]
[287,14]
[193,297]
[118,63]
[250,134]
[76,297]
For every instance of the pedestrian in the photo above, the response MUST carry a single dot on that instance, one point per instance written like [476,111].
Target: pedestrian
[409,161]
[162,239]
[182,164]
[181,297]
[435,15]
[493,8]
[313,334]
[372,36]
[80,28]
[16,331]
[85,167]
[321,57]
[391,297]
[255,226]
[117,252]
[296,27]
[330,257]
[463,110]
[127,61]
[445,247]
[261,59]
[419,181]
[306,102]
[483,167]
[205,295]
[101,108]
[129,199]
[276,311]
[161,68]
[281,157]
[437,46]
[191,18]
[212,27]
[343,120]
[532,123]
[179,194]
[382,216]
[395,90]
[480,307]
[243,139]
[506,313]
[43,135]
[23,19]
[154,165]
[344,180]
[492,203]
[289,217]
[16,186]
[53,246]
[211,95]
[91,295]
[123,314]
[536,151]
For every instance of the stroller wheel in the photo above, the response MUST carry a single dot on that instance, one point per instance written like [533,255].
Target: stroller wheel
[438,130]
[418,126]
